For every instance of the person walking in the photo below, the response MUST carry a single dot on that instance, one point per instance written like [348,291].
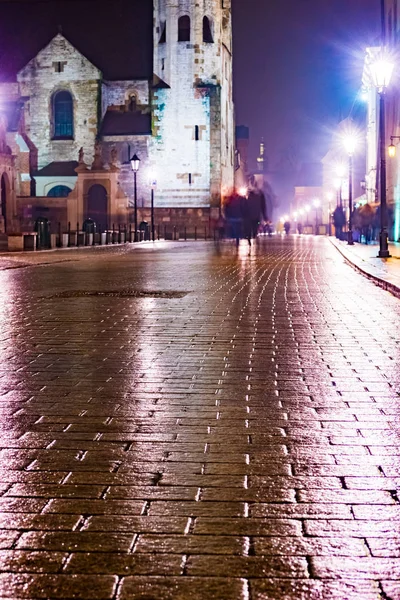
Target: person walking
[339,221]
[234,216]
[254,210]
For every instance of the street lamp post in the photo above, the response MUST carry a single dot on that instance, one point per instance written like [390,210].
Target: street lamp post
[381,71]
[329,197]
[350,146]
[135,163]
[153,185]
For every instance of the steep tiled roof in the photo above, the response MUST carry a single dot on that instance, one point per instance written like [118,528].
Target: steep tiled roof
[54,169]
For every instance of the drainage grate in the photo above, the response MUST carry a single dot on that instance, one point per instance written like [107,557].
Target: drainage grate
[119,294]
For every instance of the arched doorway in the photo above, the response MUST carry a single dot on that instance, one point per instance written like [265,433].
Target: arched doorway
[97,206]
[4,198]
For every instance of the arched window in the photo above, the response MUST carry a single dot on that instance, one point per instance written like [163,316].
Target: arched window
[58,191]
[207,32]
[63,116]
[184,29]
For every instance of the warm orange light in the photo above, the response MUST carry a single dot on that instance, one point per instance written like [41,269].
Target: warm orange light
[392,150]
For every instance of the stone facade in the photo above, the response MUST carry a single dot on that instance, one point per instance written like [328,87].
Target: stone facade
[180,122]
[193,145]
[57,67]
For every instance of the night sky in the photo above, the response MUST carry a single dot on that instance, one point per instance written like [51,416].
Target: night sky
[298,66]
[297,63]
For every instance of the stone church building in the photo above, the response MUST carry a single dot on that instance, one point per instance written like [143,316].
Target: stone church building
[68,129]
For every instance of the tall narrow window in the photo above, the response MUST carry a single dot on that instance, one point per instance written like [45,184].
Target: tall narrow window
[196,133]
[63,116]
[163,36]
[184,29]
[207,33]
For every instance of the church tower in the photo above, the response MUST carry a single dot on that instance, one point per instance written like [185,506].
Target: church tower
[193,125]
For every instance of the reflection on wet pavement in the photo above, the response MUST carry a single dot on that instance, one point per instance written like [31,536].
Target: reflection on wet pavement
[228,429]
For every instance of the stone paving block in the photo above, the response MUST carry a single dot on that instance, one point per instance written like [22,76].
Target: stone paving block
[22,561]
[181,588]
[168,525]
[355,568]
[352,528]
[346,496]
[301,511]
[49,587]
[247,527]
[377,513]
[40,522]
[189,544]
[246,566]
[300,546]
[94,507]
[31,490]
[152,493]
[197,509]
[248,495]
[300,483]
[302,589]
[75,541]
[124,564]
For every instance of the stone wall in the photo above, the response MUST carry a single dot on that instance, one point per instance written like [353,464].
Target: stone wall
[117,93]
[59,66]
[198,104]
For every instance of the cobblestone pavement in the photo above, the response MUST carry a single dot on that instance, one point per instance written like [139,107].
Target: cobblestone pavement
[182,424]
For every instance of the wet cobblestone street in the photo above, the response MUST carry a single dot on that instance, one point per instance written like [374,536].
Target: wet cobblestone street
[183,424]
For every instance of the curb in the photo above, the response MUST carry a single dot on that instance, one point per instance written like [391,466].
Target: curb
[382,283]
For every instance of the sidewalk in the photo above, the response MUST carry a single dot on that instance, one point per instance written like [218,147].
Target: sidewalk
[364,258]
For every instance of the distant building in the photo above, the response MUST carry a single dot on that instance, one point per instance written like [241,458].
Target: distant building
[307,202]
[242,156]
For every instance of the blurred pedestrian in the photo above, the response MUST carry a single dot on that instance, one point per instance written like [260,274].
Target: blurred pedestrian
[300,227]
[234,216]
[254,211]
[339,221]
[286,227]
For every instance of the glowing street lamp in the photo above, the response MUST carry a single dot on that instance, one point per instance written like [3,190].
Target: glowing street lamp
[392,150]
[381,71]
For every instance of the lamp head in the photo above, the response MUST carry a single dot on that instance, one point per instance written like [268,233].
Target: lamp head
[381,71]
[135,163]
[350,143]
[392,150]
